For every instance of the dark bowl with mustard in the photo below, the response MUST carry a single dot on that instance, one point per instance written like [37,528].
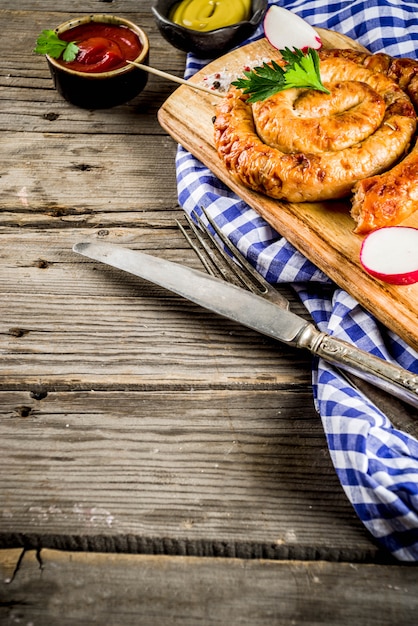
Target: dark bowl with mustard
[100,75]
[204,33]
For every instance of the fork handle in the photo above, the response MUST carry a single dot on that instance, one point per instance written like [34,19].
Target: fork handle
[384,375]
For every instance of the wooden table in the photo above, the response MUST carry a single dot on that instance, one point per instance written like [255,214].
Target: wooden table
[158,464]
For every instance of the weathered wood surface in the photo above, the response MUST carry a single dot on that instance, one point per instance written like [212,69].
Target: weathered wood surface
[57,589]
[130,420]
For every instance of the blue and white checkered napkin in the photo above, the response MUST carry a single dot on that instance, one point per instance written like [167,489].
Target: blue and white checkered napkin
[377,464]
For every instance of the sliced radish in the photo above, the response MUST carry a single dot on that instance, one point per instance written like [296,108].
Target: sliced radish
[391,254]
[285,29]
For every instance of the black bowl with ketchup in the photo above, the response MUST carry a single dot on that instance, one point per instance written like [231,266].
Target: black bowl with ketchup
[100,76]
[187,36]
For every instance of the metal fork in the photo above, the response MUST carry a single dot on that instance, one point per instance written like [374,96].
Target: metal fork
[221,258]
[226,261]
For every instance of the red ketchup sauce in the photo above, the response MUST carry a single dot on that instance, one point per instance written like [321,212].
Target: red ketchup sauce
[102,47]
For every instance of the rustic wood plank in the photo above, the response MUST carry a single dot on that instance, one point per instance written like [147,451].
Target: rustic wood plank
[149,590]
[128,341]
[79,7]
[9,562]
[231,470]
[94,179]
[111,329]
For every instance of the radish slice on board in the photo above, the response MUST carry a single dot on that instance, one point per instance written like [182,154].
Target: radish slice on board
[285,29]
[391,254]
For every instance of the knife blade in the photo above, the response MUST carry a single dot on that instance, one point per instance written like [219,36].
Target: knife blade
[256,313]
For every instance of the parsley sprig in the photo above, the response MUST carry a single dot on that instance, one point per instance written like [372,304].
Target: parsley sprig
[48,42]
[301,70]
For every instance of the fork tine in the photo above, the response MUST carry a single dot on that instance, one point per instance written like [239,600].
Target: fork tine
[259,284]
[204,258]
[232,266]
[210,254]
[234,251]
[229,265]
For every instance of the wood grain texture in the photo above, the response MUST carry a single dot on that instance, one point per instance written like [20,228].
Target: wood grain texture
[228,477]
[133,423]
[151,591]
[108,329]
[321,231]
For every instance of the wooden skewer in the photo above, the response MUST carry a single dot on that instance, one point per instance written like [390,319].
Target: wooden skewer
[175,79]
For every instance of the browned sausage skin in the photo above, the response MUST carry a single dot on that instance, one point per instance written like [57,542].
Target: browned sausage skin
[301,145]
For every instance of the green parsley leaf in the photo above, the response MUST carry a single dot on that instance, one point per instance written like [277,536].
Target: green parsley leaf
[70,52]
[48,42]
[301,70]
[262,82]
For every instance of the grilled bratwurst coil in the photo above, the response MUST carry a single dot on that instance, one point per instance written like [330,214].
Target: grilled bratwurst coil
[387,199]
[403,71]
[302,145]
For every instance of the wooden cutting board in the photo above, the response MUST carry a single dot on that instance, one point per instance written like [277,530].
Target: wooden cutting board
[322,231]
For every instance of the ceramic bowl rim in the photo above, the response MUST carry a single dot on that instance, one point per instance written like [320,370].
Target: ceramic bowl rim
[102,18]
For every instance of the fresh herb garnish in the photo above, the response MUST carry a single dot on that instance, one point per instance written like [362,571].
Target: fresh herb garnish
[48,42]
[301,70]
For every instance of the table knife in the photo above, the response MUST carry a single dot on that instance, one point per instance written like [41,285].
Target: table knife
[256,313]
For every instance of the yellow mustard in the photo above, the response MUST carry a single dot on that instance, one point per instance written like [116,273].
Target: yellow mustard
[207,15]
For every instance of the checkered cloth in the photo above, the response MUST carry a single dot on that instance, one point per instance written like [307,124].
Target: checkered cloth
[377,464]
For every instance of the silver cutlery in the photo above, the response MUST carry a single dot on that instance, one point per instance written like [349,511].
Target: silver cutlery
[215,252]
[271,318]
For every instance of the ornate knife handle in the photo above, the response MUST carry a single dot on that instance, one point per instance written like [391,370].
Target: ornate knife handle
[391,378]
